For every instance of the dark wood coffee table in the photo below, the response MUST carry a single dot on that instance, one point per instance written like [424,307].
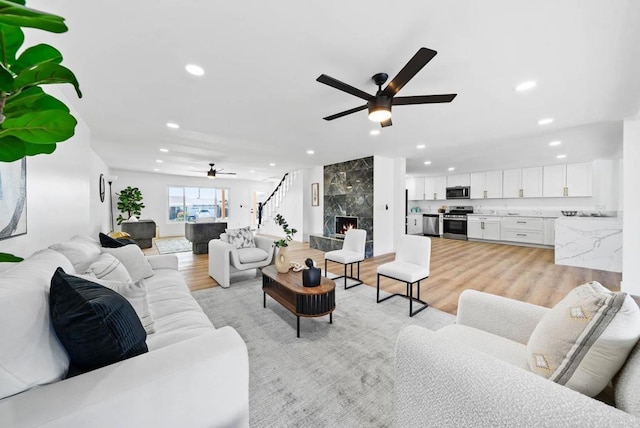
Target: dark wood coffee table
[287,289]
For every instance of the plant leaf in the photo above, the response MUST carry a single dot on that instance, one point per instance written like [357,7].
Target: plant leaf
[49,126]
[39,149]
[35,55]
[32,99]
[11,38]
[12,149]
[16,14]
[6,79]
[5,257]
[46,73]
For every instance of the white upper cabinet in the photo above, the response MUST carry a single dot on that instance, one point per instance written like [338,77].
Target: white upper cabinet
[457,180]
[435,188]
[415,188]
[486,185]
[522,183]
[568,180]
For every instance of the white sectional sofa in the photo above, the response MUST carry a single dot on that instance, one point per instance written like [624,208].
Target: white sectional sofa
[194,374]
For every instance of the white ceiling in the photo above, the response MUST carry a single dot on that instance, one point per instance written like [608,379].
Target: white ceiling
[258,101]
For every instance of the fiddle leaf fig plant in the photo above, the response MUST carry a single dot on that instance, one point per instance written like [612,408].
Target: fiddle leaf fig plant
[129,202]
[32,122]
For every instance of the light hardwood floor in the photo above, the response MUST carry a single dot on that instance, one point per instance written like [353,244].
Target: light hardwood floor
[522,273]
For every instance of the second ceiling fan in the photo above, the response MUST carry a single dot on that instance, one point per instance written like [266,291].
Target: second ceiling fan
[379,105]
[213,172]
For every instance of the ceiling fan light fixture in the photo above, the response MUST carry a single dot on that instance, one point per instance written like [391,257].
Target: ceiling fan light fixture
[379,108]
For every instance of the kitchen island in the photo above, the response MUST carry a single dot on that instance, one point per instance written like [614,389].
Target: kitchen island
[589,242]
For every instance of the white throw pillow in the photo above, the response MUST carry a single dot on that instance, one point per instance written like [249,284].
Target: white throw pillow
[132,257]
[108,267]
[241,238]
[585,339]
[80,250]
[30,354]
[135,293]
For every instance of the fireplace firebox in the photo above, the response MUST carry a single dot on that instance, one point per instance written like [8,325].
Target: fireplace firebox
[344,223]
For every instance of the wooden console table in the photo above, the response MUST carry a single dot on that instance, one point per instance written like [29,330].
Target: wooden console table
[287,289]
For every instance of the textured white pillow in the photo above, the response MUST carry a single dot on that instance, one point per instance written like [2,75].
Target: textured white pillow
[241,238]
[80,250]
[108,267]
[135,293]
[30,352]
[585,339]
[133,259]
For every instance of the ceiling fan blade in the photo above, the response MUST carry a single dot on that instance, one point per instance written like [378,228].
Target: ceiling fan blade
[386,123]
[415,64]
[344,113]
[226,173]
[328,80]
[423,99]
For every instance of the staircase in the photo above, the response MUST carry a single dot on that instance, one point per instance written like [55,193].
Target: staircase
[269,208]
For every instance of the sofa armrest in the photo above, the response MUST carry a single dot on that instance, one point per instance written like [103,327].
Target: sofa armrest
[508,318]
[199,382]
[443,383]
[163,261]
[220,261]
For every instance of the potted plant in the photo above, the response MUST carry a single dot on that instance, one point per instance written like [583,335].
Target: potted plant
[32,122]
[129,202]
[282,257]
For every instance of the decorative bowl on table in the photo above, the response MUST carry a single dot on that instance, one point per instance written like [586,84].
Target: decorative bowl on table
[569,213]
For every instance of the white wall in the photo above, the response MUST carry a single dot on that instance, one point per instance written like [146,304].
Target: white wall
[155,194]
[313,217]
[388,203]
[631,211]
[62,194]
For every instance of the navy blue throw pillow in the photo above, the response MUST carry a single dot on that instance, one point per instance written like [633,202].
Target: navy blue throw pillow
[96,325]
[108,242]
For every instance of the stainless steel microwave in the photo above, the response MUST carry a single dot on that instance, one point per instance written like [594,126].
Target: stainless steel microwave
[458,192]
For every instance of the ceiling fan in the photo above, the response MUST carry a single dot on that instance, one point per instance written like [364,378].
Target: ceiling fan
[213,172]
[379,105]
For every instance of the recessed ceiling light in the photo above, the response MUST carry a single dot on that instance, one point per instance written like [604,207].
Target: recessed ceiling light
[172,125]
[525,86]
[427,162]
[420,146]
[272,164]
[555,143]
[310,152]
[156,169]
[164,150]
[375,132]
[252,171]
[196,70]
[451,168]
[159,160]
[545,121]
[561,156]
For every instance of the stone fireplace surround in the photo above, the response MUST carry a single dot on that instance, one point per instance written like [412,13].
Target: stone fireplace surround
[348,191]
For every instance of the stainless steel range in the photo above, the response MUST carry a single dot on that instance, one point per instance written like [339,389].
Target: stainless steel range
[455,222]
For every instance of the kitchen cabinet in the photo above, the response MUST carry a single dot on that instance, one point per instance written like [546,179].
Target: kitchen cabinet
[523,229]
[435,188]
[486,185]
[415,188]
[522,183]
[414,224]
[573,180]
[484,227]
[457,180]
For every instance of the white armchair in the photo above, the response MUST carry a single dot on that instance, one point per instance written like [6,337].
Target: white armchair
[474,374]
[225,258]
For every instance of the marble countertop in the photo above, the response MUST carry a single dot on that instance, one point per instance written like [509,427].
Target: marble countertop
[513,215]
[589,218]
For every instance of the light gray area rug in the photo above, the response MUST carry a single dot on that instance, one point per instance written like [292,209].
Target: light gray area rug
[173,245]
[338,374]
